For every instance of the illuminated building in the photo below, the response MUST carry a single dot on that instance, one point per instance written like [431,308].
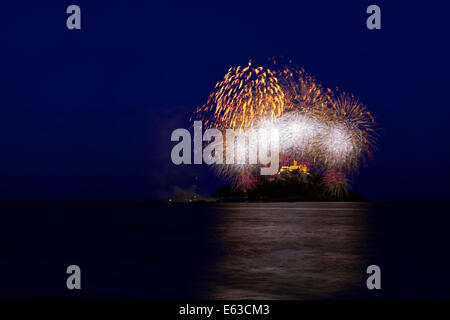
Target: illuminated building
[295,168]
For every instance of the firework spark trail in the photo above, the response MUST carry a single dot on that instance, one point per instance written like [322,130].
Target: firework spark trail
[335,183]
[245,94]
[331,132]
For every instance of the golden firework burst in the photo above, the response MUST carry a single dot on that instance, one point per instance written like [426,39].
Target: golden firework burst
[242,97]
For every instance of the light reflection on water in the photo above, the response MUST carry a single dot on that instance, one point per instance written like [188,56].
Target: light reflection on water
[289,250]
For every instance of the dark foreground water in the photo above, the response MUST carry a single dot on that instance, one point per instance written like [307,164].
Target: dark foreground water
[225,251]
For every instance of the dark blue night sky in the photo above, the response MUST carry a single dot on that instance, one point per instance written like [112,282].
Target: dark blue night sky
[87,115]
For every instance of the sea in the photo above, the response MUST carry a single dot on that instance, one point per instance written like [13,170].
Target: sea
[303,250]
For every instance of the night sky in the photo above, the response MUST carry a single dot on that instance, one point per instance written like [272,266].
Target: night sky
[87,114]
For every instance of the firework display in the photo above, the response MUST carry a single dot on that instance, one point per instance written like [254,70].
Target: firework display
[331,132]
[245,94]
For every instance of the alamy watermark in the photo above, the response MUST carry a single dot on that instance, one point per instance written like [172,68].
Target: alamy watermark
[236,147]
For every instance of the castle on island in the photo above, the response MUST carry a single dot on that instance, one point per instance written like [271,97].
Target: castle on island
[295,168]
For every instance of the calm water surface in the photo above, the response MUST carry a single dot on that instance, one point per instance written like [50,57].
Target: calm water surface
[225,251]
